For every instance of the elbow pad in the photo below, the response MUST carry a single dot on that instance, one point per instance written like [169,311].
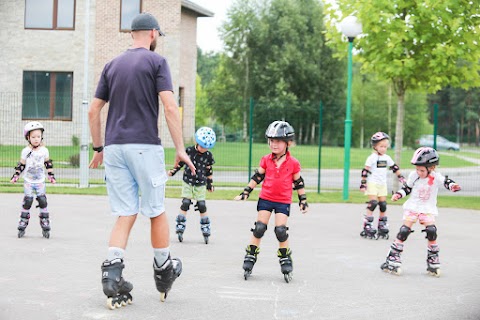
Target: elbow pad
[258,177]
[49,164]
[365,173]
[395,168]
[298,184]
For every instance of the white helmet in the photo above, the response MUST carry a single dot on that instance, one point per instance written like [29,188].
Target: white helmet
[33,125]
[205,137]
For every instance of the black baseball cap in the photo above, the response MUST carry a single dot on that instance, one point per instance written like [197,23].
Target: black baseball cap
[146,21]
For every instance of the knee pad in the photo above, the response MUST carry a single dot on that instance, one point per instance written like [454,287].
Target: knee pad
[181,218]
[43,215]
[42,201]
[185,204]
[372,204]
[204,220]
[383,206]
[281,233]
[431,232]
[404,233]
[27,202]
[25,215]
[259,229]
[201,206]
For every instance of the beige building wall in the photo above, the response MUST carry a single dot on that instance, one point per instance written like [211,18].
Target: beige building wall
[60,50]
[39,50]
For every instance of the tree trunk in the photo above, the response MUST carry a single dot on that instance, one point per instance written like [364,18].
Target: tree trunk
[399,132]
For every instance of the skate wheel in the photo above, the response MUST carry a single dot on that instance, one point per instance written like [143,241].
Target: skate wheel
[163,296]
[206,239]
[21,233]
[435,273]
[46,234]
[287,277]
[247,274]
[363,234]
[111,304]
[180,237]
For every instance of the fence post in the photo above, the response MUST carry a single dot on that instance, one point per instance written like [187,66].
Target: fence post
[320,138]
[435,125]
[250,133]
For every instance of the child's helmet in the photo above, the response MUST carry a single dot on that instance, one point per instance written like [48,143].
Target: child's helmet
[281,130]
[425,156]
[205,137]
[33,125]
[377,137]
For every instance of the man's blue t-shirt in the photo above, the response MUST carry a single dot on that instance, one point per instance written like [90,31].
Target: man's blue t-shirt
[131,83]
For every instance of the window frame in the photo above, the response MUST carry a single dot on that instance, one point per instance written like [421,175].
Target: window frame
[121,14]
[52,95]
[54,18]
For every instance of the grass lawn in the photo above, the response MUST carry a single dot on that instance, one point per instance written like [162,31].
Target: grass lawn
[452,201]
[235,155]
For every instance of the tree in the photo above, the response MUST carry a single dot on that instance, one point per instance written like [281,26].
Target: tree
[414,44]
[276,49]
[206,65]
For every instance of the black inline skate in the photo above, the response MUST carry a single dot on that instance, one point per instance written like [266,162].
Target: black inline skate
[250,259]
[165,275]
[286,265]
[45,224]
[205,227]
[115,287]
[382,228]
[393,263]
[368,229]
[181,225]
[23,223]
[433,262]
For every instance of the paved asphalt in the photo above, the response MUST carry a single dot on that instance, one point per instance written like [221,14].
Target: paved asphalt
[336,272]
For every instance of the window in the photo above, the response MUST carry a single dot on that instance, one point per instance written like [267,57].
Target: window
[47,95]
[129,9]
[50,14]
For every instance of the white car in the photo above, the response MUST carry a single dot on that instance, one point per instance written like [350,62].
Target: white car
[442,143]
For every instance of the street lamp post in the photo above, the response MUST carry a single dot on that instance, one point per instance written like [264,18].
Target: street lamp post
[351,28]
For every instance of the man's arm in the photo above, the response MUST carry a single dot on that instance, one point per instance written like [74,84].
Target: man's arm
[94,120]
[172,116]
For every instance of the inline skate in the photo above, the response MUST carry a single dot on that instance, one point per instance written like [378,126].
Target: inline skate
[393,262]
[433,262]
[181,225]
[249,260]
[23,223]
[205,227]
[165,275]
[115,287]
[368,229]
[382,228]
[45,224]
[286,265]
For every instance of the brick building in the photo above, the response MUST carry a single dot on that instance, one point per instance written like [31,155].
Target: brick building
[50,64]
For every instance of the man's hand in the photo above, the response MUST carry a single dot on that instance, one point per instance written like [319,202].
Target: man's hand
[182,156]
[96,160]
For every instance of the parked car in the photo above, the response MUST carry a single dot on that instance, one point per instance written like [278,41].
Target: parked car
[442,143]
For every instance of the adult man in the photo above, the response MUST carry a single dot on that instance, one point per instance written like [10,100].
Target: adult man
[133,155]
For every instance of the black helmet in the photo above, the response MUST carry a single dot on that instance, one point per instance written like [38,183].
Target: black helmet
[281,130]
[425,156]
[379,136]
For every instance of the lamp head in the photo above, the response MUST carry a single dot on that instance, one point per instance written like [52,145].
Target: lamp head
[351,27]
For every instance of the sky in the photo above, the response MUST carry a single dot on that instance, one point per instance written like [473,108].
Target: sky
[207,28]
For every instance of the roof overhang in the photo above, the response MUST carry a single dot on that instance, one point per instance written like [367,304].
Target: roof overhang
[200,11]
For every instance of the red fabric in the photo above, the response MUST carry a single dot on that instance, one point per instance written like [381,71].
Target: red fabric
[277,185]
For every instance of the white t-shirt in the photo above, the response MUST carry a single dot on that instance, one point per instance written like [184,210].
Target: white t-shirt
[423,198]
[379,165]
[34,164]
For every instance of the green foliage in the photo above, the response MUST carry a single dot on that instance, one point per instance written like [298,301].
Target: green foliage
[422,45]
[276,53]
[75,141]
